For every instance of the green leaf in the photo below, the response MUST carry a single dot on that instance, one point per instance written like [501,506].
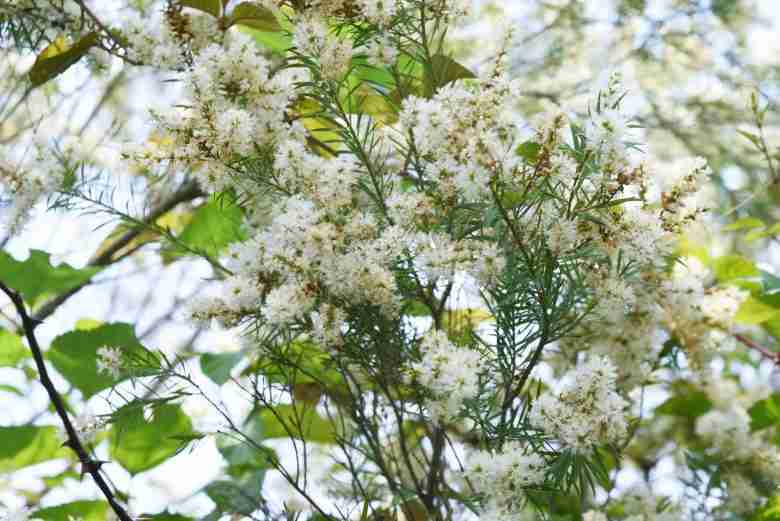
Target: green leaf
[254,16]
[214,225]
[746,223]
[212,7]
[529,150]
[217,366]
[444,70]
[731,267]
[686,401]
[306,363]
[58,57]
[35,277]
[298,421]
[769,512]
[27,445]
[765,413]
[74,355]
[232,497]
[12,350]
[86,510]
[139,445]
[276,42]
[754,311]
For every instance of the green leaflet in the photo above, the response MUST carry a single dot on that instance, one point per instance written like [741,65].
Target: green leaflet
[75,354]
[138,444]
[35,278]
[27,445]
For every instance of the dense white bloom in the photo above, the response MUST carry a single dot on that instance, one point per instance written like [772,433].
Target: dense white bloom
[501,477]
[451,373]
[87,425]
[334,53]
[585,410]
[109,361]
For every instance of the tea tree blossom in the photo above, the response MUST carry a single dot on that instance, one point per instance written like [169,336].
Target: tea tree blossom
[450,372]
[109,361]
[585,410]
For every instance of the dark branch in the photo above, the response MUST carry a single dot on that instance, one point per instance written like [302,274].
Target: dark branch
[89,465]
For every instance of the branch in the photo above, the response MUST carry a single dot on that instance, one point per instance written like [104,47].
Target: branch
[187,192]
[766,353]
[88,464]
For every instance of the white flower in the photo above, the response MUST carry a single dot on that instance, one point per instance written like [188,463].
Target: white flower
[451,372]
[500,477]
[109,361]
[87,425]
[585,410]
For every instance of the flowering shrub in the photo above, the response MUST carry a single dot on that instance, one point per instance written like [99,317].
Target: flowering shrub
[464,304]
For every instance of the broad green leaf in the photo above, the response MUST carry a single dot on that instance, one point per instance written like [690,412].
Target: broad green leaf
[754,311]
[255,16]
[302,422]
[58,57]
[214,225]
[746,223]
[232,497]
[217,366]
[35,277]
[769,512]
[416,308]
[277,42]
[443,71]
[12,350]
[27,445]
[765,413]
[529,150]
[685,402]
[140,445]
[305,363]
[84,510]
[212,7]
[247,459]
[74,355]
[731,267]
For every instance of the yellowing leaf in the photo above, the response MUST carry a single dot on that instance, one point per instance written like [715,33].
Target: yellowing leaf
[58,57]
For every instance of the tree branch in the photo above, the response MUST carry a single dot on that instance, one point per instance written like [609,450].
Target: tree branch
[187,192]
[766,353]
[89,465]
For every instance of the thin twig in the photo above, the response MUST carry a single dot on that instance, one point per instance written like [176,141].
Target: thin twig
[105,257]
[766,353]
[88,464]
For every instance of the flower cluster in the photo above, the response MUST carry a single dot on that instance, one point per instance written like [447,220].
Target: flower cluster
[501,477]
[109,361]
[450,372]
[585,410]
